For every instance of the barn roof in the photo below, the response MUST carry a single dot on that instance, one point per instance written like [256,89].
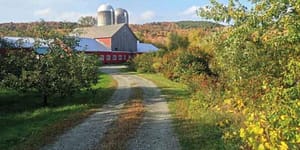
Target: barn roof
[40,46]
[146,47]
[84,44]
[90,45]
[24,42]
[99,31]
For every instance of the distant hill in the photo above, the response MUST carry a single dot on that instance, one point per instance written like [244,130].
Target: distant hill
[155,32]
[197,24]
[30,29]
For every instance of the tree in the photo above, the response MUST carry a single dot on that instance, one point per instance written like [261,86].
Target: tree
[60,71]
[87,21]
[57,72]
[259,57]
[258,42]
[176,41]
[140,36]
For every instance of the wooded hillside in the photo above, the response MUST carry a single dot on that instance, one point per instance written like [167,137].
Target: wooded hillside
[29,29]
[156,32]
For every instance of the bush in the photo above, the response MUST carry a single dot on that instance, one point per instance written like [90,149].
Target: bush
[258,57]
[143,63]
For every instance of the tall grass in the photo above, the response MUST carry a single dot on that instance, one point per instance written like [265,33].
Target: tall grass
[196,127]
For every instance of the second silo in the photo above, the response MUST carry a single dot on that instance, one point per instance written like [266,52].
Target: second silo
[121,16]
[105,15]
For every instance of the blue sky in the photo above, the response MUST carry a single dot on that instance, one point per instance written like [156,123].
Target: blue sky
[140,11]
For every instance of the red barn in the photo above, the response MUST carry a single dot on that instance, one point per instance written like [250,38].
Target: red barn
[92,46]
[112,43]
[120,43]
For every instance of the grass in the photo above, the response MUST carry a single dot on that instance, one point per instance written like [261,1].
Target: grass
[196,127]
[27,125]
[125,126]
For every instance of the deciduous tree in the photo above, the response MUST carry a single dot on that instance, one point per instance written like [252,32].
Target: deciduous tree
[258,56]
[59,71]
[87,21]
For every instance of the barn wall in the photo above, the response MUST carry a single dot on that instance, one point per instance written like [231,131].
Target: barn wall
[124,40]
[113,57]
[2,51]
[105,41]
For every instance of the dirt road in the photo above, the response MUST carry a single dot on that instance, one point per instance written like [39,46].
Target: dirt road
[155,131]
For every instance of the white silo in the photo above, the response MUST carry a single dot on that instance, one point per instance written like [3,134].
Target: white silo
[121,16]
[105,15]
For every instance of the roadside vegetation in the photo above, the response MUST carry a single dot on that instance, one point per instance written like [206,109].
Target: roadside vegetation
[242,80]
[196,127]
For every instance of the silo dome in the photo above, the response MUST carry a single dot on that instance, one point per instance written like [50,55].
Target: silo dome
[105,7]
[105,15]
[121,16]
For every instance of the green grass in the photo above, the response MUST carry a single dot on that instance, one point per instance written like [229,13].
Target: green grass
[195,126]
[25,124]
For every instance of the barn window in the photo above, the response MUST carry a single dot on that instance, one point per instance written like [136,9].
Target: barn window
[101,57]
[120,57]
[107,57]
[114,57]
[125,57]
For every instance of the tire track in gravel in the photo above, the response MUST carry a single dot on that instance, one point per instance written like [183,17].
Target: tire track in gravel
[156,131]
[86,135]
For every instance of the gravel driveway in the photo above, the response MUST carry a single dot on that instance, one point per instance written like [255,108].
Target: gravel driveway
[155,131]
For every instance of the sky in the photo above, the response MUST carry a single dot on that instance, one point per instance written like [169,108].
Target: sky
[140,11]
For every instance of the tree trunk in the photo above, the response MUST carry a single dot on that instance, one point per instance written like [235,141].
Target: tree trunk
[45,98]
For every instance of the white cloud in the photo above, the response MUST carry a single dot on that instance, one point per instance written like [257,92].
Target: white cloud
[148,15]
[71,16]
[43,12]
[144,17]
[191,11]
[134,20]
[54,15]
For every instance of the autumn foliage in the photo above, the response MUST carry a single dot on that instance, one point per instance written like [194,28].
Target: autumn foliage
[248,71]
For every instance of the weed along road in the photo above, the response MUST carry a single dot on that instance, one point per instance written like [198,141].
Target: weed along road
[135,118]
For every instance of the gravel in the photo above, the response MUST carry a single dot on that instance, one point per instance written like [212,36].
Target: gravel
[155,131]
[87,135]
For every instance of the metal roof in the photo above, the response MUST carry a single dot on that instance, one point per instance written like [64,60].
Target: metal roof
[146,47]
[22,42]
[25,42]
[90,45]
[84,44]
[105,7]
[99,31]
[40,46]
[120,11]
